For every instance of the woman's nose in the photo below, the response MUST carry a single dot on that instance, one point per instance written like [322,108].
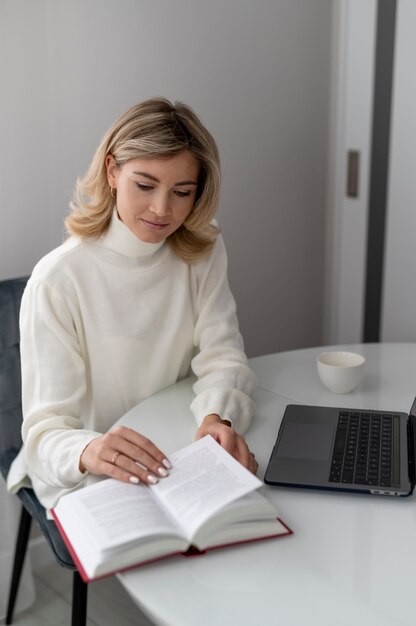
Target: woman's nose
[160,205]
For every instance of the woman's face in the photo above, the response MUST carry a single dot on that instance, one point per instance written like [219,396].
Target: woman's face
[154,195]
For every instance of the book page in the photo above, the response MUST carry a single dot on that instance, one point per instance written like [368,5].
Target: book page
[114,513]
[249,517]
[204,478]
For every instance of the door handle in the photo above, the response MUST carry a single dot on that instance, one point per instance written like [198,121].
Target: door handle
[353,165]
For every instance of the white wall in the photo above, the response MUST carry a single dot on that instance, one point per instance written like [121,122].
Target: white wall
[258,75]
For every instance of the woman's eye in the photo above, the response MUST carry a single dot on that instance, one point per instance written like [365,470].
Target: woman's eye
[144,186]
[182,194]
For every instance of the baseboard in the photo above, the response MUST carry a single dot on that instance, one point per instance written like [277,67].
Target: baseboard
[40,553]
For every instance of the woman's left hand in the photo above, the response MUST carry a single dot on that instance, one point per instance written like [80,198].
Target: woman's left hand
[229,439]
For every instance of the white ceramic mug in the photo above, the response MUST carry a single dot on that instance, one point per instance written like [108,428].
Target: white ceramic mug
[340,372]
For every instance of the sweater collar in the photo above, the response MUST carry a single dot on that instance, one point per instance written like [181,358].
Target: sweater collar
[120,238]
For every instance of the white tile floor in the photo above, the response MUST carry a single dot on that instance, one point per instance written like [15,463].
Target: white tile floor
[108,603]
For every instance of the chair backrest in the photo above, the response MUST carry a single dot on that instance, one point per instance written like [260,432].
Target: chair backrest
[10,380]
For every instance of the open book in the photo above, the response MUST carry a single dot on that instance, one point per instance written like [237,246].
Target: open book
[207,501]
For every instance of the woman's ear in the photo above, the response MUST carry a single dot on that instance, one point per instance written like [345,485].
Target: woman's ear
[112,169]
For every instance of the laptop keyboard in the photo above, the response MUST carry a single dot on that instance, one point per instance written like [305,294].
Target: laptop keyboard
[366,449]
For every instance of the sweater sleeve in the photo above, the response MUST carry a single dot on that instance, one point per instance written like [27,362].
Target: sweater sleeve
[225,381]
[53,386]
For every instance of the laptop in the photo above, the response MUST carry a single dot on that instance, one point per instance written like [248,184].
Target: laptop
[345,450]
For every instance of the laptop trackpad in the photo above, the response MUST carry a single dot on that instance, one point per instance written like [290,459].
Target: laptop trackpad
[306,441]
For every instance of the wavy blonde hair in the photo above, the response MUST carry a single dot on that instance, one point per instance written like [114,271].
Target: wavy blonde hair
[153,128]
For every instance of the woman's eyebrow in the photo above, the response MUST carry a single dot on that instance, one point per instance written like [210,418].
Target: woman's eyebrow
[156,180]
[146,175]
[186,182]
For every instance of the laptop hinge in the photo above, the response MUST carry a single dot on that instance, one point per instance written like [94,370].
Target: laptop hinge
[411,437]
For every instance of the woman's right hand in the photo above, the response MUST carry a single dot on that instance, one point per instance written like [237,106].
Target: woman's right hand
[126,455]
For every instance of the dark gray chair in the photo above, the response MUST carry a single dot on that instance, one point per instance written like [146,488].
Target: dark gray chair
[10,443]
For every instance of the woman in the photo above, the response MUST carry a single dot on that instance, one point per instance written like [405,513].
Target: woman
[134,299]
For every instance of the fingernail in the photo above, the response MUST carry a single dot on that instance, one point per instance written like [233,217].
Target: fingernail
[162,471]
[134,480]
[152,479]
[167,464]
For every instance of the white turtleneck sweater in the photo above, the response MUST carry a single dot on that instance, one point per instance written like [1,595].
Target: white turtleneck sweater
[106,324]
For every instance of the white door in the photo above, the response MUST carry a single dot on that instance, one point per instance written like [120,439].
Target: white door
[348,236]
[352,102]
[398,320]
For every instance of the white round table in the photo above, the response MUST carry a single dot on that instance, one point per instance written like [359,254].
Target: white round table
[351,558]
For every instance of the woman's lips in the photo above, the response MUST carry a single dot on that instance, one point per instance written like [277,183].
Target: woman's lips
[154,225]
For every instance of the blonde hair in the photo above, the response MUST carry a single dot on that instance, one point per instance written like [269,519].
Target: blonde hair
[153,128]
